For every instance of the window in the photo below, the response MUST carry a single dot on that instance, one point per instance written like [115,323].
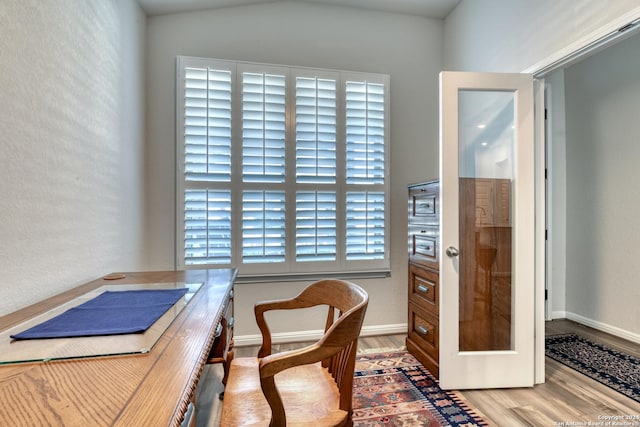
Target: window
[281,170]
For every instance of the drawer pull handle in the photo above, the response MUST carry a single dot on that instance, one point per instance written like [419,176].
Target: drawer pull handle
[426,205]
[219,330]
[423,330]
[231,322]
[423,288]
[423,231]
[425,247]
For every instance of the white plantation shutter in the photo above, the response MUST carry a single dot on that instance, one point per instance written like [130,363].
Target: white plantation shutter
[206,140]
[207,227]
[207,129]
[263,227]
[263,127]
[315,130]
[316,226]
[365,130]
[282,170]
[315,166]
[365,170]
[365,225]
[264,96]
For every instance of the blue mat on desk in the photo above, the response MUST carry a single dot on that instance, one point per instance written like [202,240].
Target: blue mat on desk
[110,313]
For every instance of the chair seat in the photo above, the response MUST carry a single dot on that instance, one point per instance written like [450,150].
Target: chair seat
[309,394]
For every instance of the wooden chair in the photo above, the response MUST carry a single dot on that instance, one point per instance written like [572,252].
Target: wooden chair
[311,386]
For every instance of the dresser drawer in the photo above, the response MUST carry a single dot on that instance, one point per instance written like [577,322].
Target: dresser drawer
[424,330]
[424,204]
[423,246]
[423,288]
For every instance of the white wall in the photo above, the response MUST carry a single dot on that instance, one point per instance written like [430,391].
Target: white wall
[409,49]
[71,150]
[557,194]
[603,195]
[513,35]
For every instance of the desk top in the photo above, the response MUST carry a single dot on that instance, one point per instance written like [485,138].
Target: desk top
[152,389]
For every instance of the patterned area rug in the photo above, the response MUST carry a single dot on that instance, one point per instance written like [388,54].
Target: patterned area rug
[617,370]
[394,389]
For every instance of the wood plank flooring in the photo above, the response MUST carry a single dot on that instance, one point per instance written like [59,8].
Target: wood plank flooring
[566,398]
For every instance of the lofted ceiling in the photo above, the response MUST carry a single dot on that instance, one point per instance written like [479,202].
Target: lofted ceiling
[425,8]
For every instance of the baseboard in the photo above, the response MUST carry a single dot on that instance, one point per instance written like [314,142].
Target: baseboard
[287,337]
[401,328]
[613,330]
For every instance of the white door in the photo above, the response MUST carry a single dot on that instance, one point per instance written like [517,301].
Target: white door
[487,230]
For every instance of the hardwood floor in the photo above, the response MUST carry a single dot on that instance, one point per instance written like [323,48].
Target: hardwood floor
[566,398]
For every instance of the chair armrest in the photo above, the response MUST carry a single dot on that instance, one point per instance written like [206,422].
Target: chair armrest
[262,307]
[270,365]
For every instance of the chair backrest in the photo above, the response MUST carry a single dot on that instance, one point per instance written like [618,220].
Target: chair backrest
[342,329]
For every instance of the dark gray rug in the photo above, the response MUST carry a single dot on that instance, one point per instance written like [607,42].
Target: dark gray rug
[617,370]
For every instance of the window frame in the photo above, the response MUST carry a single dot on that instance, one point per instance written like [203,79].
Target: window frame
[291,268]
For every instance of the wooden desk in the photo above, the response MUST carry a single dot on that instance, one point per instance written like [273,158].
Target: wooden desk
[152,389]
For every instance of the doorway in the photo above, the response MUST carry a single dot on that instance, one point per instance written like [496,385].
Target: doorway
[592,164]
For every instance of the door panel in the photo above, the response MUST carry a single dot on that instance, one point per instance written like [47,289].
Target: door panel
[487,230]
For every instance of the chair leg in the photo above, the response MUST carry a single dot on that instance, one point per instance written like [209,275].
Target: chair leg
[349,422]
[226,365]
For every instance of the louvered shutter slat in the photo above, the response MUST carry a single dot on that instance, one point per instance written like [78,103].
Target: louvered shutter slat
[207,119]
[315,226]
[365,133]
[263,226]
[207,225]
[264,127]
[365,233]
[315,130]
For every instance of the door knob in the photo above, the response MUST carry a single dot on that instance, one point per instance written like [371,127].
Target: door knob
[452,252]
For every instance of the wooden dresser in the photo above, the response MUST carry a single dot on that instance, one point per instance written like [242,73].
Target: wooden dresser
[424,265]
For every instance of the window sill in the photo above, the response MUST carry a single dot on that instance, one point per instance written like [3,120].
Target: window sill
[297,277]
